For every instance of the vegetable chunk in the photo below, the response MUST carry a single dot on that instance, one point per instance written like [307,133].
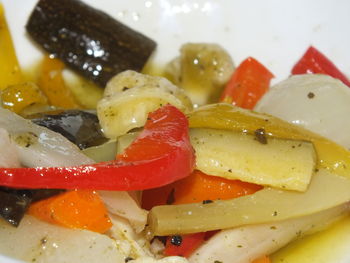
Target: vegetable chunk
[9,66]
[88,40]
[130,96]
[281,163]
[160,155]
[81,209]
[326,190]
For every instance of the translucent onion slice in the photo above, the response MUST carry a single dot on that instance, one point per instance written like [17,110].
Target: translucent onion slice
[247,243]
[37,241]
[325,191]
[8,152]
[122,204]
[330,245]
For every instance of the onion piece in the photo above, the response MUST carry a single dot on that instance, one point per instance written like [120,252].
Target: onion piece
[37,241]
[38,146]
[247,243]
[330,245]
[135,245]
[8,152]
[316,102]
[122,204]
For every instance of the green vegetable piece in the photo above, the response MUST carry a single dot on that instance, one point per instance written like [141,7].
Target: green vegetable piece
[88,40]
[325,191]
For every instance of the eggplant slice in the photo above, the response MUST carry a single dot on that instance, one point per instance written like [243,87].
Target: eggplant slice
[88,40]
[15,202]
[80,127]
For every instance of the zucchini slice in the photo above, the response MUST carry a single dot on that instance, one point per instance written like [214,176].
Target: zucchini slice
[88,40]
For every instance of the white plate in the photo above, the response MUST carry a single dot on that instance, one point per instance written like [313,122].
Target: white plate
[275,32]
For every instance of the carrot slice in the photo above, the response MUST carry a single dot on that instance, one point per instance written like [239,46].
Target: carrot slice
[200,187]
[249,82]
[51,82]
[263,259]
[81,209]
[197,187]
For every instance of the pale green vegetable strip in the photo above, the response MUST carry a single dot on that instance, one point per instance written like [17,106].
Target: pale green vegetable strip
[125,140]
[102,153]
[268,205]
[281,163]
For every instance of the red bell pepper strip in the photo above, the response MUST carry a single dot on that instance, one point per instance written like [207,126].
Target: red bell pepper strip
[313,61]
[249,82]
[161,154]
[183,245]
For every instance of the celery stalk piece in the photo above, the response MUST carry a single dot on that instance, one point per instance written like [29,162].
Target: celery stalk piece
[325,191]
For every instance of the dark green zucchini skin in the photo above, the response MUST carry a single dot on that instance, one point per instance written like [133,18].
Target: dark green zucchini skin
[15,202]
[88,40]
[80,127]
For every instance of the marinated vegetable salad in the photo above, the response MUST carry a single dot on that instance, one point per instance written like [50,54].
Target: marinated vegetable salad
[206,163]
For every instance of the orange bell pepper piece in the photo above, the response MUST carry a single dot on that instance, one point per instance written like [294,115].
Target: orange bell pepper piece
[81,209]
[197,187]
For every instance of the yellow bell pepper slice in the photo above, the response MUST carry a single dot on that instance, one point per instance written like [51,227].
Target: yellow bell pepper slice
[9,66]
[330,155]
[51,82]
[19,96]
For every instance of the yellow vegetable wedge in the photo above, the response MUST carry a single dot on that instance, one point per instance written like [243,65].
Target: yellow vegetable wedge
[9,67]
[51,82]
[19,96]
[325,191]
[281,163]
[330,155]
